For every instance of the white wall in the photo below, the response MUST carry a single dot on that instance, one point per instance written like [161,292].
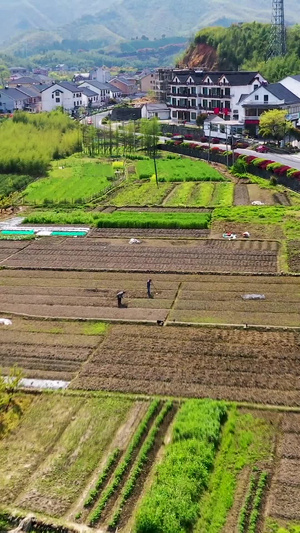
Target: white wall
[67,99]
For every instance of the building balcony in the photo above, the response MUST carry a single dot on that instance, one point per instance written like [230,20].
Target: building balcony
[182,106]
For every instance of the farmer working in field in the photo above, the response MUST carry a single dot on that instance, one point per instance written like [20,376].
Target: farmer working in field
[120,295]
[149,288]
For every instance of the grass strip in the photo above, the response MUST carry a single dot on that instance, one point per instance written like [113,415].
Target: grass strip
[172,503]
[141,461]
[124,465]
[94,493]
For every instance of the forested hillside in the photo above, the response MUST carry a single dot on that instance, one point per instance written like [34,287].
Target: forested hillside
[243,46]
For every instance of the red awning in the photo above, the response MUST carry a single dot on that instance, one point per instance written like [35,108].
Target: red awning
[252,122]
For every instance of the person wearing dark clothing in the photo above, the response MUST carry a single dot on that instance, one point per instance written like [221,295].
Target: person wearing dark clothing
[149,288]
[120,295]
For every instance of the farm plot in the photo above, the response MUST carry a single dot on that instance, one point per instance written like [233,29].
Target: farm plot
[48,350]
[192,194]
[199,256]
[45,466]
[70,181]
[202,299]
[293,248]
[140,194]
[148,233]
[182,169]
[220,301]
[238,365]
[284,497]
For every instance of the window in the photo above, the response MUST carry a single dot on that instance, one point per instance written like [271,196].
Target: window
[222,128]
[57,100]
[204,103]
[52,95]
[266,98]
[174,114]
[57,93]
[256,97]
[227,91]
[214,127]
[193,116]
[205,91]
[255,86]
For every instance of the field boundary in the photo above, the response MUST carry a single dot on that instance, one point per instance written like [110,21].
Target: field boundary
[216,325]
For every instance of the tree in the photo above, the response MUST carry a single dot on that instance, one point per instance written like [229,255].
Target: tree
[274,124]
[150,131]
[4,74]
[200,119]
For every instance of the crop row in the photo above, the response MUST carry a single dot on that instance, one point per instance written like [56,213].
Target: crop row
[124,465]
[141,461]
[93,495]
[252,503]
[179,170]
[172,504]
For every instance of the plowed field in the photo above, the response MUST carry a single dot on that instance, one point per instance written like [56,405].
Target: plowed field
[202,299]
[236,364]
[283,501]
[96,254]
[47,350]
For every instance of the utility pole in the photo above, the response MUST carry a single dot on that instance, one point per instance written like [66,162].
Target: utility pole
[278,30]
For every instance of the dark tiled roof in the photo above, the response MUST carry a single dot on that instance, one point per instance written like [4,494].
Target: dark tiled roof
[87,91]
[29,91]
[233,77]
[15,94]
[24,79]
[69,86]
[296,77]
[282,93]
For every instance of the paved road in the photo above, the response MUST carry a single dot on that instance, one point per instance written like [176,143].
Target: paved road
[292,160]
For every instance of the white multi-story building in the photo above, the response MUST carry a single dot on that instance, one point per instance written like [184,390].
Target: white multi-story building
[193,92]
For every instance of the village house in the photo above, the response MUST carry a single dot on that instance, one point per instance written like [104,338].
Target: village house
[105,91]
[126,86]
[62,94]
[148,82]
[264,98]
[193,92]
[12,99]
[161,111]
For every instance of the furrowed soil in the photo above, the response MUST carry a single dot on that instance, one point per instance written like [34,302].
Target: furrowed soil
[204,299]
[95,254]
[293,248]
[284,497]
[47,350]
[238,365]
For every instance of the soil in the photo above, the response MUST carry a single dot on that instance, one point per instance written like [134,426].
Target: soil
[176,298]
[148,233]
[293,248]
[237,365]
[283,501]
[94,254]
[267,232]
[241,195]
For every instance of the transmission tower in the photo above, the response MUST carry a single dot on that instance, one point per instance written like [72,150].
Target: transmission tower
[278,32]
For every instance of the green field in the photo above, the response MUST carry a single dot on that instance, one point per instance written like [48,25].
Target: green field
[179,170]
[72,180]
[126,219]
[140,193]
[190,194]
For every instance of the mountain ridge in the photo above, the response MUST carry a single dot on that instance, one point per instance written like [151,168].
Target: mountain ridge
[124,19]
